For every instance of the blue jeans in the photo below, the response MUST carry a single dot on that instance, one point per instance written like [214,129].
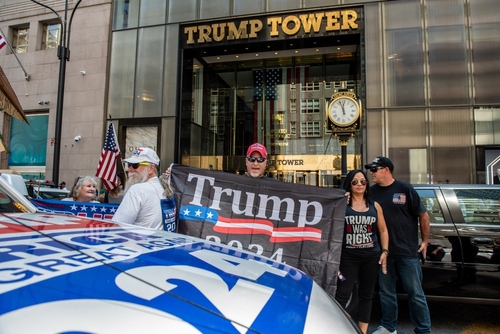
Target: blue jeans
[409,271]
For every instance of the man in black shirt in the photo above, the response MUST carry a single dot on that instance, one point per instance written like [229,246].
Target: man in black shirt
[403,210]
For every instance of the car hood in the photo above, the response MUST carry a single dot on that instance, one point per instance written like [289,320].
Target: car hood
[60,273]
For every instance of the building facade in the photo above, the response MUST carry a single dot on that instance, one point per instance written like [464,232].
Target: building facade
[200,80]
[32,67]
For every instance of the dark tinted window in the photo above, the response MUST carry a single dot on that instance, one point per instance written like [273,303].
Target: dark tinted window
[6,203]
[479,206]
[431,203]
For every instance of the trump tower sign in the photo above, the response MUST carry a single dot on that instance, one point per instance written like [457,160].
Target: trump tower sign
[295,224]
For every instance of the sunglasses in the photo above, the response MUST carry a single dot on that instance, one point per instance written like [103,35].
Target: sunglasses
[259,160]
[355,182]
[136,165]
[376,169]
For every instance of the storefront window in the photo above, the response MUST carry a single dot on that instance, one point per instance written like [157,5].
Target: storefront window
[448,81]
[452,141]
[277,98]
[126,14]
[122,74]
[404,54]
[28,142]
[407,144]
[485,41]
[487,126]
[152,12]
[149,79]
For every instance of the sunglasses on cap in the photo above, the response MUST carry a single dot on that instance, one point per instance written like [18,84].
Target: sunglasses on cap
[376,169]
[136,165]
[355,182]
[259,160]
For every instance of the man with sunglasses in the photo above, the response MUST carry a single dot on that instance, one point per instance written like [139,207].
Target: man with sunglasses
[141,203]
[256,160]
[403,210]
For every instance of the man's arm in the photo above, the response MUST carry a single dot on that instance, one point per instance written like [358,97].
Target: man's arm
[425,229]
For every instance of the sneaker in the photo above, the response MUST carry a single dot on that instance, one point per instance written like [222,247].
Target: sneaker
[383,330]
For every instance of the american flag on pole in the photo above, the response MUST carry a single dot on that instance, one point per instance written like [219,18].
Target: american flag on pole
[2,42]
[106,170]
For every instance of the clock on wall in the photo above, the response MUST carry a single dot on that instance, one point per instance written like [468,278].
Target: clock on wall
[344,109]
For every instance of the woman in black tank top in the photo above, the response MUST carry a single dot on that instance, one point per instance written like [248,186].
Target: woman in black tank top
[364,248]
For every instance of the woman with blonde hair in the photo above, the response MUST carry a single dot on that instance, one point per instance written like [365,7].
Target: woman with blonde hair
[84,190]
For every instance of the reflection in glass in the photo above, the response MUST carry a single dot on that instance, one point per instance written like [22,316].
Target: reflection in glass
[149,79]
[276,100]
[447,53]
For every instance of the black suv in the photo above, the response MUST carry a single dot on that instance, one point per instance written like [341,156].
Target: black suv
[463,256]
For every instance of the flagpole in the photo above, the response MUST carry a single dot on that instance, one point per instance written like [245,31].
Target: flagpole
[119,157]
[26,75]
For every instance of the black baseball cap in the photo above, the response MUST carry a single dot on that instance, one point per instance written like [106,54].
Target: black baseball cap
[381,162]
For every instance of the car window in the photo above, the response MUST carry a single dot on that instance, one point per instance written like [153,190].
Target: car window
[431,203]
[7,205]
[47,194]
[479,206]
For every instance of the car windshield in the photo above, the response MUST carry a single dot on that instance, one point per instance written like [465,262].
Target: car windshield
[52,194]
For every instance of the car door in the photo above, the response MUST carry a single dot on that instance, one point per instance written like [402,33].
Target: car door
[439,266]
[479,237]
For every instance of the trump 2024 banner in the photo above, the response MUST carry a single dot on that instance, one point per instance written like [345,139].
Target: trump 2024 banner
[296,224]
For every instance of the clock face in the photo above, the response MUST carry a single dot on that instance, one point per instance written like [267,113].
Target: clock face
[343,111]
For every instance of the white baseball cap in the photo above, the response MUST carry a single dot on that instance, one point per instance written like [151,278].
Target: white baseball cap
[143,154]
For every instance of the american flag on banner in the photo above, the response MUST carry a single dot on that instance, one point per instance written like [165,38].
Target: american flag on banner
[2,42]
[106,170]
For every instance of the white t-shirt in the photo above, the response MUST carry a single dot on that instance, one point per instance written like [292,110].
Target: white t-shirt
[141,205]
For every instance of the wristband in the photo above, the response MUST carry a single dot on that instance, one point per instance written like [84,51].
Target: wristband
[385,250]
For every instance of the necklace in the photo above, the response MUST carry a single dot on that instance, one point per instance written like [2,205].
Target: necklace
[360,201]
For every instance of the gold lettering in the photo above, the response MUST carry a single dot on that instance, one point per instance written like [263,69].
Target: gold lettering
[219,31]
[313,20]
[190,32]
[273,22]
[349,19]
[204,35]
[332,21]
[234,33]
[255,27]
[296,25]
[320,22]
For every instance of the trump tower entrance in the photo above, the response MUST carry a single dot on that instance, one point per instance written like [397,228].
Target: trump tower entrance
[270,80]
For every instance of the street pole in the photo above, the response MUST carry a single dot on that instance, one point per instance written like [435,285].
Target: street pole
[63,55]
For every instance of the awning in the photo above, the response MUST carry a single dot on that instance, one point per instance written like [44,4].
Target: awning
[8,99]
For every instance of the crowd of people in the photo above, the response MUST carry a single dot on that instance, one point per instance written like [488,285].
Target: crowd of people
[379,220]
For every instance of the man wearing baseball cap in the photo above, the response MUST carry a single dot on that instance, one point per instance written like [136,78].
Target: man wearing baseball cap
[256,160]
[404,212]
[141,203]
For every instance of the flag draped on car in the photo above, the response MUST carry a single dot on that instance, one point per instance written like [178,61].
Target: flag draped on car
[103,211]
[106,170]
[292,223]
